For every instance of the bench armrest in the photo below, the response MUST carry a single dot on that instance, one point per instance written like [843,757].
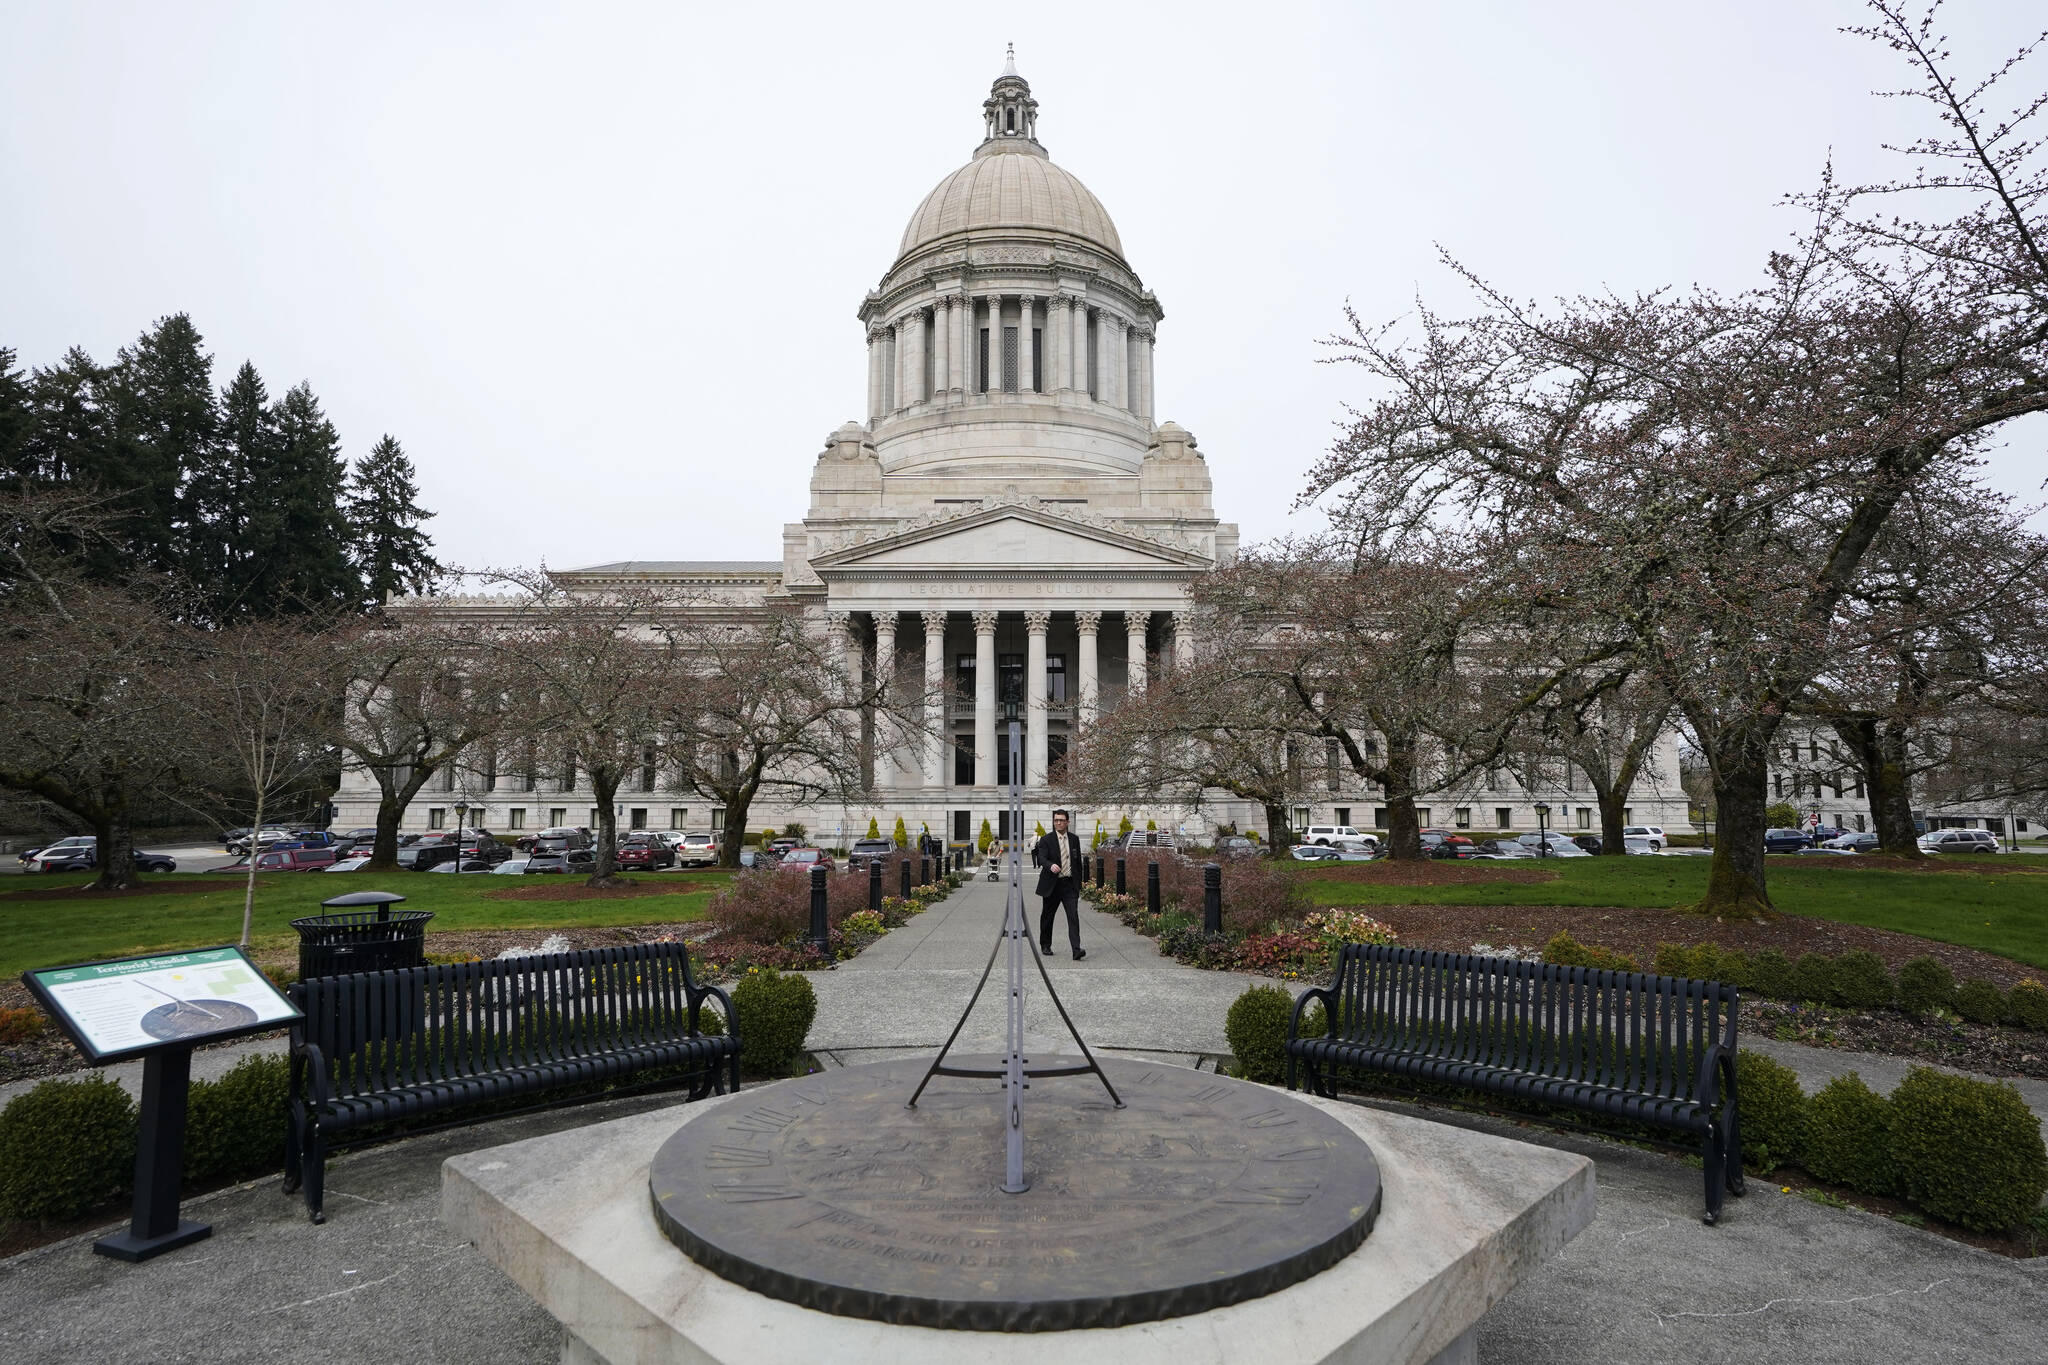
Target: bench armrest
[704,993]
[1326,994]
[314,1061]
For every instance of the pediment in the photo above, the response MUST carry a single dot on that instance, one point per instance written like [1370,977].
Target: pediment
[1023,536]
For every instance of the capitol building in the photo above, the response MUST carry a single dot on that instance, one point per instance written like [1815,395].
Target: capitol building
[1012,513]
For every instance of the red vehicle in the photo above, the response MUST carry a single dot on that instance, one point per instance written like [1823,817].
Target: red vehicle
[804,859]
[292,860]
[645,850]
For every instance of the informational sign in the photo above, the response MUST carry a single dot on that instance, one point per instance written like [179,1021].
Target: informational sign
[133,1006]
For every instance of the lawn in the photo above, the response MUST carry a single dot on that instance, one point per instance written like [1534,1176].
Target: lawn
[48,932]
[2004,913]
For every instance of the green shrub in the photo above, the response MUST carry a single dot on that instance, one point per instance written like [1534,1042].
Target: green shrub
[66,1147]
[1566,951]
[1925,983]
[1862,981]
[234,1127]
[1257,1029]
[2026,1006]
[775,1013]
[20,1025]
[1672,959]
[1980,1002]
[1849,1137]
[1771,1111]
[1969,1151]
[1813,979]
[1712,962]
[1770,974]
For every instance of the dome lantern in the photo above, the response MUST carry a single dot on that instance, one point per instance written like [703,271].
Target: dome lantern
[1009,113]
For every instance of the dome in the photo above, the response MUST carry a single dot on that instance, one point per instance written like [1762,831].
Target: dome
[1011,188]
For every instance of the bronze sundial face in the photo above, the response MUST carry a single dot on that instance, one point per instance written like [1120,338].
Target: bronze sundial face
[1201,1192]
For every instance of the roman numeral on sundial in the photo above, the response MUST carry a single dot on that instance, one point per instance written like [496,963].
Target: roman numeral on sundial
[1267,1118]
[1270,1194]
[763,1120]
[1209,1094]
[754,1194]
[726,1158]
[1298,1154]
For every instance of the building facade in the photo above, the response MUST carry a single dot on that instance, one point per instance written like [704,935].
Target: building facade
[1010,515]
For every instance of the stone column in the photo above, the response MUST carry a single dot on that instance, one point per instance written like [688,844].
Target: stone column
[942,349]
[1078,357]
[1059,373]
[1134,645]
[1118,334]
[1035,750]
[962,314]
[885,674]
[1087,623]
[1105,353]
[936,722]
[995,343]
[903,350]
[1146,336]
[985,699]
[876,354]
[1027,346]
[1183,639]
[918,344]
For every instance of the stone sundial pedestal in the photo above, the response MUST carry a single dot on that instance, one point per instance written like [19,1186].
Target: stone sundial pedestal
[1208,1220]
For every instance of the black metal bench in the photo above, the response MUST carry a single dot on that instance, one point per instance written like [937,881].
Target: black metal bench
[1658,1050]
[382,1047]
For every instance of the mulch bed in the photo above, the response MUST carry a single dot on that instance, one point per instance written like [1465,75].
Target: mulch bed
[151,887]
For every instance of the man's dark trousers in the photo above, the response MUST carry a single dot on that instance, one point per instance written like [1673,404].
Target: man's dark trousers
[1064,890]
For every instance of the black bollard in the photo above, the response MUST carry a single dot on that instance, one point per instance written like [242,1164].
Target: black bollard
[1120,876]
[821,932]
[1151,888]
[924,870]
[1212,899]
[1098,872]
[875,886]
[906,879]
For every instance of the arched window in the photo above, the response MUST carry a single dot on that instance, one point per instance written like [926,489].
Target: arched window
[1013,120]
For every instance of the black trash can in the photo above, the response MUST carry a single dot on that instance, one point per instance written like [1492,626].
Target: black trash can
[361,934]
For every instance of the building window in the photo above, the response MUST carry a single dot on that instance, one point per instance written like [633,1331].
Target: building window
[1859,793]
[678,817]
[1568,776]
[1379,817]
[981,363]
[718,819]
[2019,825]
[593,817]
[639,817]
[1009,680]
[568,783]
[1422,816]
[963,760]
[1002,758]
[437,818]
[1038,360]
[1009,360]
[1777,784]
[647,770]
[557,817]
[448,775]
[963,674]
[1628,815]
[1859,824]
[1462,817]
[491,768]
[1585,818]
[1056,677]
[515,818]
[1343,815]
[1504,817]
[1055,757]
[1330,766]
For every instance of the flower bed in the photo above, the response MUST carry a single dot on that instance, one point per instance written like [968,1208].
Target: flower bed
[761,920]
[1267,925]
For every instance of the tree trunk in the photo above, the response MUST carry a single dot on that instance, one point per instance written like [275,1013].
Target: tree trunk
[604,785]
[1279,828]
[1611,798]
[392,803]
[249,882]
[1404,830]
[1881,755]
[1735,880]
[114,849]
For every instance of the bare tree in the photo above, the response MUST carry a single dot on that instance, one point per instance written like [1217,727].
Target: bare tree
[1714,470]
[1606,723]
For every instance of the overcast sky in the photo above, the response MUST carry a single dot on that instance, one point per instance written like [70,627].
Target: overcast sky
[596,266]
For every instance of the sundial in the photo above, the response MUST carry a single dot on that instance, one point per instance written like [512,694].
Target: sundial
[923,1194]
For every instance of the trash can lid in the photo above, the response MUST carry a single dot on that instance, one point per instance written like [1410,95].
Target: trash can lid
[363,898]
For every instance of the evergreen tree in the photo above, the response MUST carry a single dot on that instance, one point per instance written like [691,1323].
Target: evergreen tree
[298,533]
[164,426]
[391,553]
[71,436]
[222,498]
[17,420]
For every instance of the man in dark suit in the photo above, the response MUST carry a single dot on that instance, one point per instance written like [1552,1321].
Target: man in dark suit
[1058,856]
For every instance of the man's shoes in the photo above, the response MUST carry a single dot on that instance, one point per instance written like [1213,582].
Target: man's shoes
[1045,950]
[1080,953]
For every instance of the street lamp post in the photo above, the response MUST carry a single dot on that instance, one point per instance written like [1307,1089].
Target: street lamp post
[1542,829]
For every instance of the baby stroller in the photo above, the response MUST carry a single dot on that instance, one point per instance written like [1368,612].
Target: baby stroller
[995,862]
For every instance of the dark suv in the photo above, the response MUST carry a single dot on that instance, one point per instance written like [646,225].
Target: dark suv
[867,851]
[554,841]
[1786,840]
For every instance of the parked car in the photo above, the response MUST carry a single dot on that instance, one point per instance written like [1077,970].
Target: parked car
[757,857]
[645,850]
[1551,845]
[867,851]
[698,850]
[779,847]
[1786,840]
[1959,841]
[349,864]
[578,860]
[1151,838]
[1237,846]
[80,853]
[1859,841]
[553,841]
[1654,833]
[1499,849]
[1443,843]
[804,859]
[465,865]
[270,836]
[1314,853]
[1336,836]
[511,867]
[287,860]
[309,838]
